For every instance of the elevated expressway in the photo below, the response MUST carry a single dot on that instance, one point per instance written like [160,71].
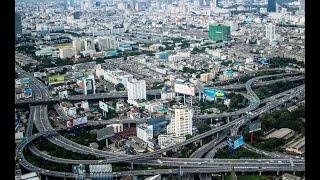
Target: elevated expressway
[123,94]
[43,125]
[187,164]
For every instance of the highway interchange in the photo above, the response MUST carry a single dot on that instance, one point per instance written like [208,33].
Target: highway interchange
[39,117]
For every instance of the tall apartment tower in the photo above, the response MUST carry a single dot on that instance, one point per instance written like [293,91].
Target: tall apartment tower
[106,43]
[18,26]
[270,32]
[136,89]
[181,121]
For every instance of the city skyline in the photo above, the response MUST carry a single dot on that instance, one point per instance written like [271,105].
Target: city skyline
[147,89]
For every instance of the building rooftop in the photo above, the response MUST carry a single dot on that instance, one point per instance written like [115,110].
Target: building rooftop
[281,133]
[104,133]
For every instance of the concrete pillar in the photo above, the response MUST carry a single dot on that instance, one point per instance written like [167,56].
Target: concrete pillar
[201,142]
[260,173]
[128,125]
[46,177]
[277,173]
[131,165]
[294,173]
[85,86]
[107,144]
[242,173]
[185,177]
[208,177]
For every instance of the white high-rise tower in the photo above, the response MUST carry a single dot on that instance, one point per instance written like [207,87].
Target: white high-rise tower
[181,121]
[270,32]
[136,89]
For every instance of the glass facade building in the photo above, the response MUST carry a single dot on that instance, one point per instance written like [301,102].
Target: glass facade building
[219,32]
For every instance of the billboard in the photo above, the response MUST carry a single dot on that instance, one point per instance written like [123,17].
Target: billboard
[70,123]
[215,93]
[25,80]
[103,106]
[63,94]
[83,104]
[184,89]
[56,79]
[237,143]
[77,121]
[103,168]
[234,144]
[254,126]
[72,112]
[27,92]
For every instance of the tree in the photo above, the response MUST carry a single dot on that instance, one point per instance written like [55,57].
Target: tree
[120,87]
[161,48]
[202,126]
[100,60]
[188,136]
[64,70]
[188,70]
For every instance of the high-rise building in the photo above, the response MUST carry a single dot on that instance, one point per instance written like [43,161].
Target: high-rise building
[83,44]
[89,44]
[89,86]
[271,6]
[136,89]
[105,43]
[67,52]
[145,132]
[77,45]
[18,28]
[181,121]
[270,32]
[219,32]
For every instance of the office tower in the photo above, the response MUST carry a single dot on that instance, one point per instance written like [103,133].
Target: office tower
[136,89]
[271,6]
[181,121]
[18,26]
[270,32]
[219,32]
